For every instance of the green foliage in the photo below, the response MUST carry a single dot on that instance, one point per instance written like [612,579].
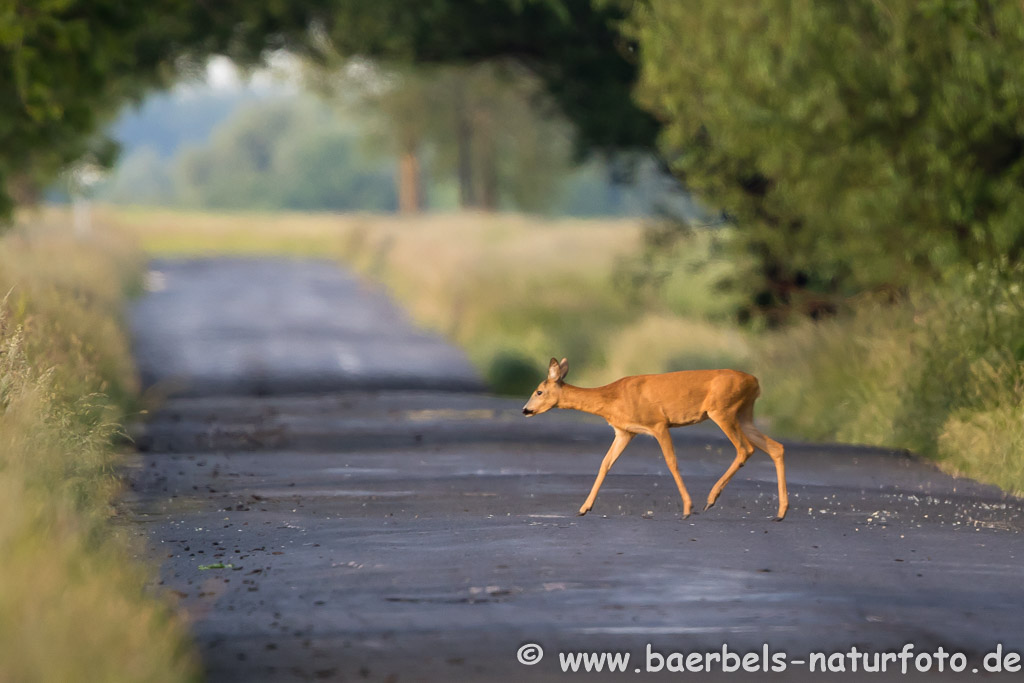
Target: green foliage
[487,126]
[683,271]
[856,145]
[571,45]
[282,151]
[495,129]
[513,374]
[65,67]
[282,154]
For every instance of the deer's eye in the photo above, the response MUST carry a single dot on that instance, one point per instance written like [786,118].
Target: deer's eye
[539,392]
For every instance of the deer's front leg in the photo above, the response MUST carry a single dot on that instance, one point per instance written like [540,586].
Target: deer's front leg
[665,441]
[622,439]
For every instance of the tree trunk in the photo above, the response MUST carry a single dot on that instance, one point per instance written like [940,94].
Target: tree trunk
[464,145]
[410,195]
[23,190]
[487,161]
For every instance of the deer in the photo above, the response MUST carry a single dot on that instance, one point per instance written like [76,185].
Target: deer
[653,404]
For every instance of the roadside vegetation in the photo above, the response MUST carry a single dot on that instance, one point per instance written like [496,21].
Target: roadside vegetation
[940,373]
[73,604]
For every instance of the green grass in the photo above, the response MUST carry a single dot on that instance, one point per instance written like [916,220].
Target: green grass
[940,374]
[73,602]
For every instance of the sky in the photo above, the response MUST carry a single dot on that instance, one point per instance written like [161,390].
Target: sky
[282,72]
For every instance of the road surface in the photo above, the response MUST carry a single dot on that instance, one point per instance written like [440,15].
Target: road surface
[379,517]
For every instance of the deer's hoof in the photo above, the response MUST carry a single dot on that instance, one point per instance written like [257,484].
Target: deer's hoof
[778,518]
[709,506]
[582,512]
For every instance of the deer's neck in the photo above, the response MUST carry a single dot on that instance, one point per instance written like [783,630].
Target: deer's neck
[594,401]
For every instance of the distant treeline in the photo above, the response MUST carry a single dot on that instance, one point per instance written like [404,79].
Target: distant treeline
[469,138]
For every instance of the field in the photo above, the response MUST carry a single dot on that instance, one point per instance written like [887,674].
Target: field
[72,594]
[940,373]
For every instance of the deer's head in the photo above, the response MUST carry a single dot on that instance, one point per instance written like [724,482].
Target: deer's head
[546,395]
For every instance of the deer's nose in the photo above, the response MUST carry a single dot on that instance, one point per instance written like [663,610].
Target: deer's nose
[527,411]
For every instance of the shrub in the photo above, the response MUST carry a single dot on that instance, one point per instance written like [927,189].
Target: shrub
[513,374]
[941,374]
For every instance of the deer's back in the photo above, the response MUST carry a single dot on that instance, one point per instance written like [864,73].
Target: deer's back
[686,397]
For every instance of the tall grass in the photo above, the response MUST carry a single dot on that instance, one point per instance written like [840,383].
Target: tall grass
[941,375]
[72,601]
[512,291]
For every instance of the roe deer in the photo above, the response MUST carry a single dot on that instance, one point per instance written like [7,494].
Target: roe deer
[653,404]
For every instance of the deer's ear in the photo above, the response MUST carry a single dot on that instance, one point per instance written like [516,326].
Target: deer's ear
[554,369]
[563,369]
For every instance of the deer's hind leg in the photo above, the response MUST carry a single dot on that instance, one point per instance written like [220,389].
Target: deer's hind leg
[730,425]
[775,451]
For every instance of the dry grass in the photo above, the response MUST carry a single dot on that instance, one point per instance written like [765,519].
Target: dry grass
[73,605]
[196,233]
[671,343]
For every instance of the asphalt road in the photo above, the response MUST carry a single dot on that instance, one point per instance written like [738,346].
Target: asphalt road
[386,520]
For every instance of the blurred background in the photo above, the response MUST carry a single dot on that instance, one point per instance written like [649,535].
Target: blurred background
[363,137]
[829,195]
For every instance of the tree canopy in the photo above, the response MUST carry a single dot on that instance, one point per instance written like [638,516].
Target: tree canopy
[856,145]
[67,65]
[64,66]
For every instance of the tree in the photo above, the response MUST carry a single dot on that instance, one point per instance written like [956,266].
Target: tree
[856,145]
[586,65]
[290,153]
[141,178]
[394,106]
[66,65]
[488,125]
[495,130]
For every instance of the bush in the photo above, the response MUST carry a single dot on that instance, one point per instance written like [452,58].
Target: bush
[512,374]
[941,374]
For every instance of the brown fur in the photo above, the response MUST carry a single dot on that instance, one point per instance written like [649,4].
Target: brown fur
[653,404]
